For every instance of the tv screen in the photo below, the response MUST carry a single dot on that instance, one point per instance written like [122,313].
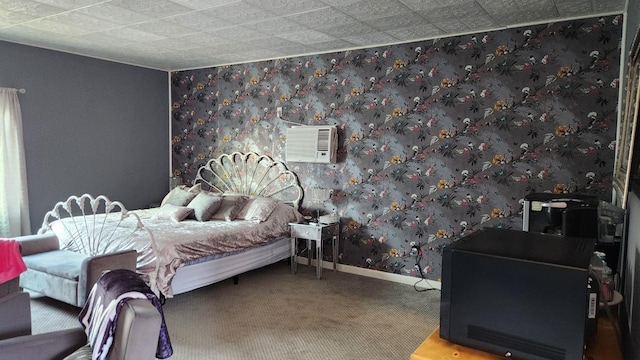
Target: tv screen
[517,294]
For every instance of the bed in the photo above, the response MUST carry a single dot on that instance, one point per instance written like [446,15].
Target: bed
[256,198]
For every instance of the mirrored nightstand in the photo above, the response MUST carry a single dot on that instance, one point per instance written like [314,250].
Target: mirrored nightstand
[315,233]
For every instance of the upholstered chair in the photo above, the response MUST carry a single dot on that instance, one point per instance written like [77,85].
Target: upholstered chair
[66,275]
[136,337]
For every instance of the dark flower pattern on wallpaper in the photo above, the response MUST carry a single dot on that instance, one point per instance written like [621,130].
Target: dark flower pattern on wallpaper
[437,138]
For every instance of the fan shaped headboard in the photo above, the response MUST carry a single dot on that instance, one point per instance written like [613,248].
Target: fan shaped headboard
[97,225]
[250,174]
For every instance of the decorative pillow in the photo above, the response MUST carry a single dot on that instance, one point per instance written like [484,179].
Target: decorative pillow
[173,212]
[230,207]
[179,196]
[205,204]
[258,208]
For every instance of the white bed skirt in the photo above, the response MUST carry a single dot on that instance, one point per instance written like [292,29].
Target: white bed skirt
[201,274]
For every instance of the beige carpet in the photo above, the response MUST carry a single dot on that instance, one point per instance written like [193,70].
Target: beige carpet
[272,314]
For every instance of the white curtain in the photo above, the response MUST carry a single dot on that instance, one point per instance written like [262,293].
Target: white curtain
[14,200]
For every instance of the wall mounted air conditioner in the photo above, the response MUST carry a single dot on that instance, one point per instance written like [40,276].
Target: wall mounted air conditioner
[316,144]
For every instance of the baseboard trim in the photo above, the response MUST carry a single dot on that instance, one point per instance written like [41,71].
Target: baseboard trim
[376,274]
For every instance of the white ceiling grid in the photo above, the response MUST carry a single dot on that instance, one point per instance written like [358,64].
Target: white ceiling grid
[185,34]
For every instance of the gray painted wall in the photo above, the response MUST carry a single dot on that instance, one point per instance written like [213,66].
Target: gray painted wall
[90,126]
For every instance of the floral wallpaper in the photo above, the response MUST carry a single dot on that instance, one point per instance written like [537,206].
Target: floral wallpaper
[437,138]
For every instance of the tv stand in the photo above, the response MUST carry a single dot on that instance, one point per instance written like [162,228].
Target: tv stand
[603,346]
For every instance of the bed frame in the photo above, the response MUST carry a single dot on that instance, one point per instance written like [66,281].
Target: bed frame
[248,174]
[240,173]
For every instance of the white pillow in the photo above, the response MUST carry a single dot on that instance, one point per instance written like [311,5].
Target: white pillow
[204,205]
[258,208]
[181,195]
[230,207]
[173,212]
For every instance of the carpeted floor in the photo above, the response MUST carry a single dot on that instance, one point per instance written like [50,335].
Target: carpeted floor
[272,314]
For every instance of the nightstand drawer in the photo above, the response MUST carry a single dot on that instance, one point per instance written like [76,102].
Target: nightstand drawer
[310,232]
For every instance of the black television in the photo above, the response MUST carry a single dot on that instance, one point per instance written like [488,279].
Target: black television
[518,294]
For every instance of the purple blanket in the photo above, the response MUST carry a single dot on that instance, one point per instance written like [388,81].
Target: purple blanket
[99,316]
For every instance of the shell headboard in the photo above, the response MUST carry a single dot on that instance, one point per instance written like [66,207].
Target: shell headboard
[250,174]
[97,225]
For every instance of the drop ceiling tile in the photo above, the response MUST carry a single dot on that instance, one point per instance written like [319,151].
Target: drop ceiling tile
[206,40]
[526,17]
[242,13]
[153,8]
[27,35]
[573,7]
[454,27]
[396,21]
[287,7]
[173,45]
[50,26]
[332,46]
[296,50]
[371,39]
[132,34]
[69,4]
[354,29]
[188,64]
[116,14]
[417,5]
[101,40]
[13,5]
[453,12]
[259,54]
[277,26]
[481,23]
[374,9]
[322,18]
[81,21]
[204,4]
[503,8]
[200,21]
[139,47]
[407,34]
[237,33]
[11,18]
[233,58]
[164,28]
[38,10]
[611,6]
[337,3]
[349,6]
[306,37]
[269,42]
[238,46]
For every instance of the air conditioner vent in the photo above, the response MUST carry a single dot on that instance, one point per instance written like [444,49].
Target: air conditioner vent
[323,139]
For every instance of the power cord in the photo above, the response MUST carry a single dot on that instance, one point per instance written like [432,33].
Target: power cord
[417,248]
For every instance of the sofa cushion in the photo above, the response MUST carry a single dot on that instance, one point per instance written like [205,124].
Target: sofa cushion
[62,263]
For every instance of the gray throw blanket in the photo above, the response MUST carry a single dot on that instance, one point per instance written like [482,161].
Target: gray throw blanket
[99,316]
